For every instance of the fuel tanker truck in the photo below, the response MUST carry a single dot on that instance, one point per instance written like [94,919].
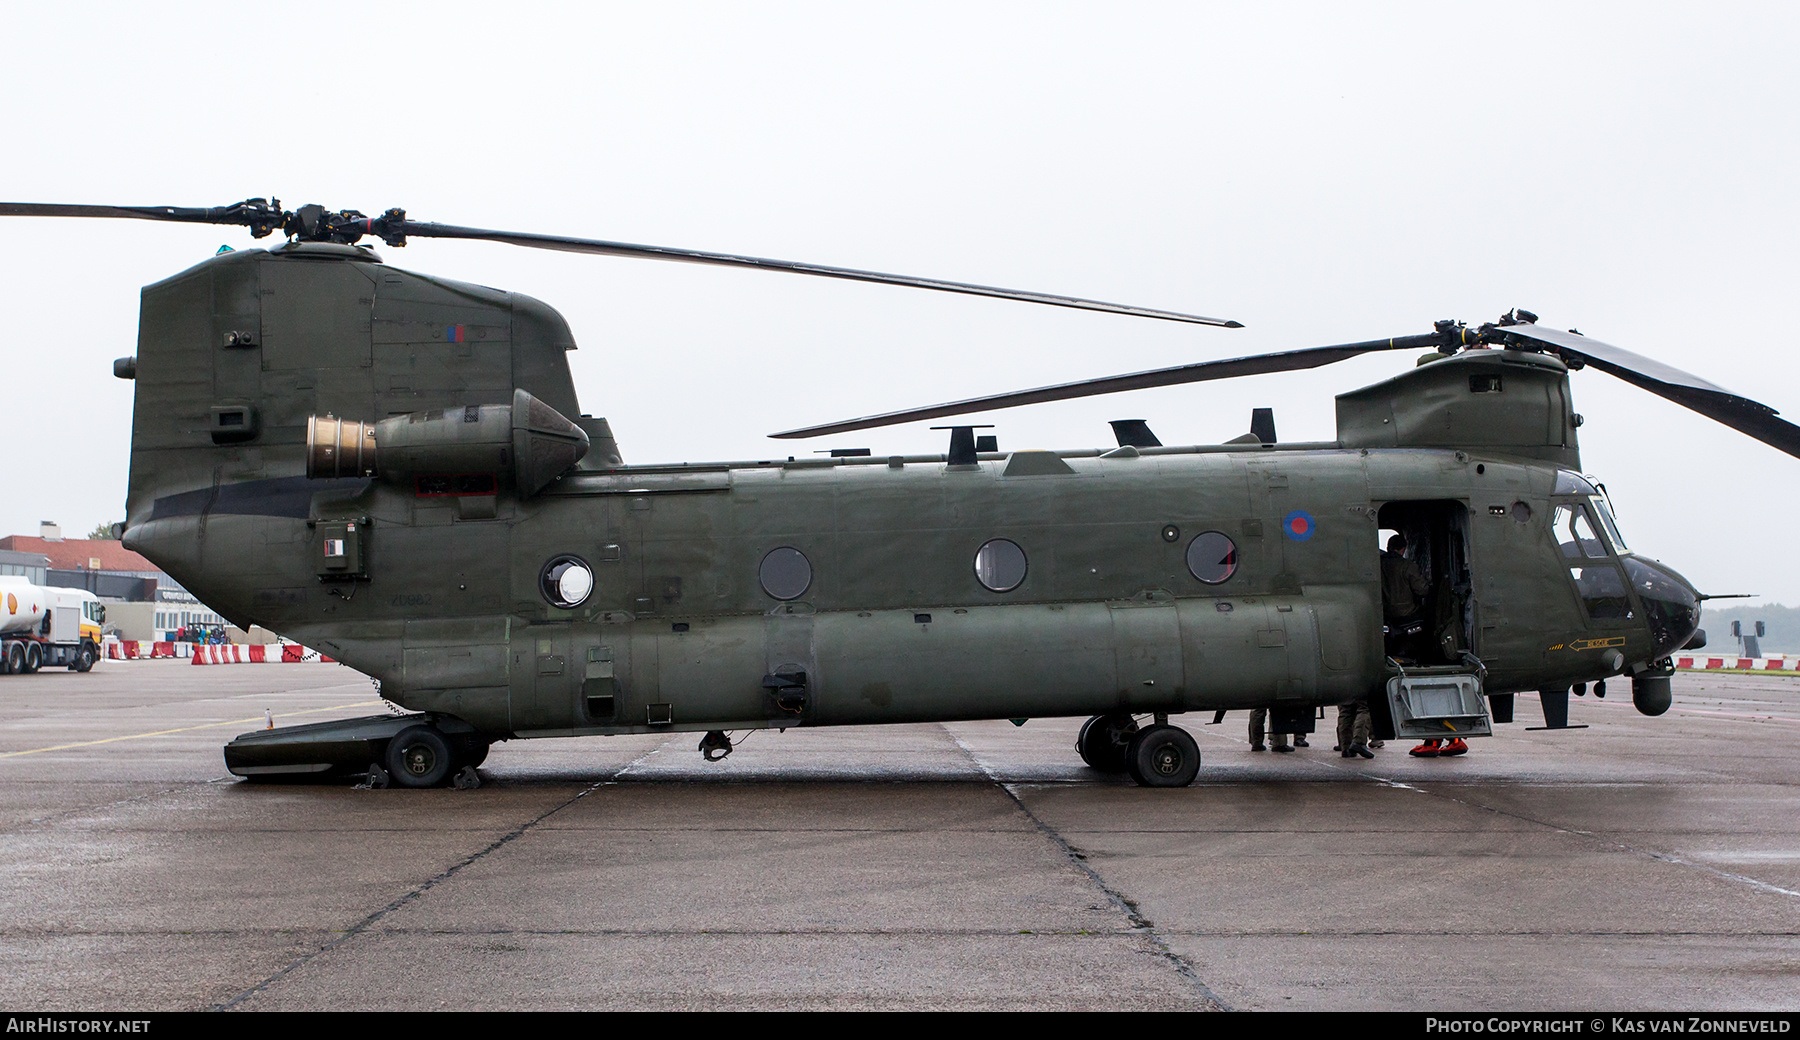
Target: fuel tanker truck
[47,627]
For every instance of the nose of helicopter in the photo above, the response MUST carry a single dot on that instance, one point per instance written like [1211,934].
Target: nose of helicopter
[1671,604]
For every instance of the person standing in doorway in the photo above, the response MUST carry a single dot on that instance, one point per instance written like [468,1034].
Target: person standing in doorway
[1403,588]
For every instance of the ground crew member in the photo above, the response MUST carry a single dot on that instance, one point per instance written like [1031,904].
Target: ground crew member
[1354,728]
[1259,716]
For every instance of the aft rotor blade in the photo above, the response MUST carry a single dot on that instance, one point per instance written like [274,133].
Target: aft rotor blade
[314,223]
[413,228]
[1715,402]
[1199,372]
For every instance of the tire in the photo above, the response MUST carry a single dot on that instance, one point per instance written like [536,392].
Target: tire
[15,659]
[474,753]
[1105,739]
[1163,756]
[32,659]
[419,756]
[84,657]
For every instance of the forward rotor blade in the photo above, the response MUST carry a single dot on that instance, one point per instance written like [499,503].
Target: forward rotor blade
[1715,402]
[601,247]
[1199,372]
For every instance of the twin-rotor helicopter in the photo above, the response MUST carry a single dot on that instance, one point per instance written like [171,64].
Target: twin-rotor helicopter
[394,468]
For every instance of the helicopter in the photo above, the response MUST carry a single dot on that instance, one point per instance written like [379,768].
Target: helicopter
[394,468]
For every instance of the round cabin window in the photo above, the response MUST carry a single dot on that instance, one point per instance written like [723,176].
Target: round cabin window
[785,573]
[567,581]
[1000,565]
[1212,557]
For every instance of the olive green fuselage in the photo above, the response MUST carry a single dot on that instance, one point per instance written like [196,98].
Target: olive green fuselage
[895,625]
[446,602]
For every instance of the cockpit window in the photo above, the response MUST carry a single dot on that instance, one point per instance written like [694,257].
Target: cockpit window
[1602,592]
[1606,521]
[1570,483]
[1575,533]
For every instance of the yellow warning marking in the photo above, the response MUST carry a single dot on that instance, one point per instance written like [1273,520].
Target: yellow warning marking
[1589,644]
[186,729]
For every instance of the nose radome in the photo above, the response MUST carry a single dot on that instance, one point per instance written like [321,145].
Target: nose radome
[1671,605]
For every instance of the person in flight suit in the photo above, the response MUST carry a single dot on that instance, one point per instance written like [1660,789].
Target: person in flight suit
[1435,748]
[1403,588]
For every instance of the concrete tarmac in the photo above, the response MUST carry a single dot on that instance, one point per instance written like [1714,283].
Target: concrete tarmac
[1637,864]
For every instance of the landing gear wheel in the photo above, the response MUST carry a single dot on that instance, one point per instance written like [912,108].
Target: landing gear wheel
[418,756]
[84,658]
[32,660]
[475,753]
[1163,756]
[1105,739]
[15,659]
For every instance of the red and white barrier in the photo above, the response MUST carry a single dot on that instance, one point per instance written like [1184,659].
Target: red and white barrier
[219,653]
[143,650]
[257,653]
[1702,662]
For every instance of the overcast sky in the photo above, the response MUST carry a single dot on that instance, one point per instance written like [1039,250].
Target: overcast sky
[1321,172]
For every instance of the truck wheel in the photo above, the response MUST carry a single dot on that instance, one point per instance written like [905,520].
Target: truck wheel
[418,756]
[1163,756]
[13,660]
[85,657]
[32,660]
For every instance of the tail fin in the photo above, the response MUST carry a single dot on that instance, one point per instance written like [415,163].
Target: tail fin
[236,353]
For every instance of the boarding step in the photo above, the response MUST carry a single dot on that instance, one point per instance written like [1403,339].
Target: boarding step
[1438,702]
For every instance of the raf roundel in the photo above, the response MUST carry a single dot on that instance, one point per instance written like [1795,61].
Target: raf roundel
[1299,525]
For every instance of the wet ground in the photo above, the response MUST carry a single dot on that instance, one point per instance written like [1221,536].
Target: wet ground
[1640,863]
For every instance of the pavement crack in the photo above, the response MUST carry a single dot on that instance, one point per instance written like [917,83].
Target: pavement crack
[1140,924]
[412,895]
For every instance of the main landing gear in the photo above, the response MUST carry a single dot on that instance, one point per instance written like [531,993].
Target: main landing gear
[1159,755]
[423,756]
[415,750]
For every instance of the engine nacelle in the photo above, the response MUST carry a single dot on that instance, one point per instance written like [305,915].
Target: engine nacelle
[475,449]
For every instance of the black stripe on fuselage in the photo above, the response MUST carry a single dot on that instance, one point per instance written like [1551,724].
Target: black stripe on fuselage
[282,496]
